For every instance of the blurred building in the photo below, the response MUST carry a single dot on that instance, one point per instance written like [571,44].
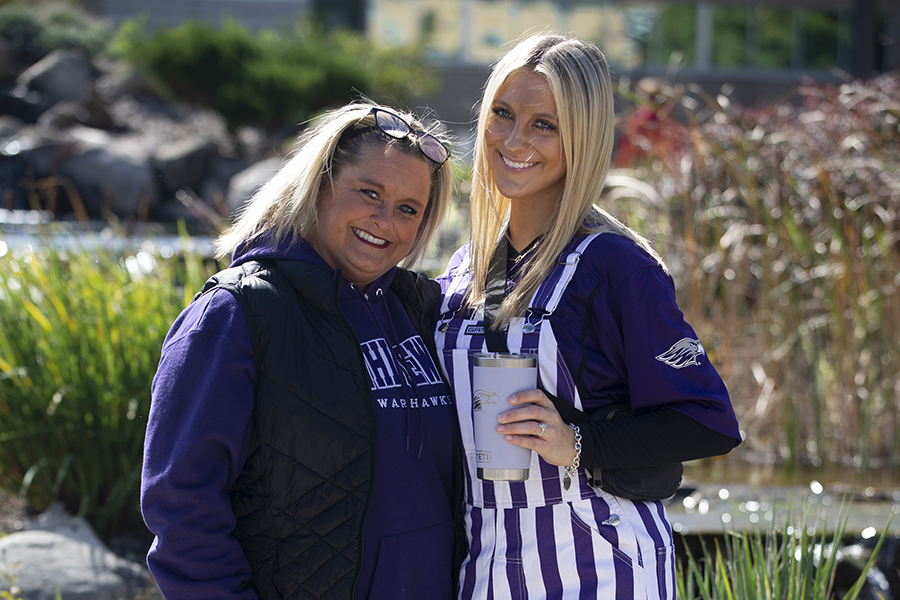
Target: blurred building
[858,36]
[255,14]
[861,37]
[757,49]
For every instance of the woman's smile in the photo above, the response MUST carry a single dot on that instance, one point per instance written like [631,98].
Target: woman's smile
[515,165]
[366,237]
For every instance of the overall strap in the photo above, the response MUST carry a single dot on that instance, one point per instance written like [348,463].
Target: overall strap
[459,283]
[545,299]
[548,295]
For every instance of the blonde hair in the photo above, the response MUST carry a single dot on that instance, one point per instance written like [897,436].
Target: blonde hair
[578,77]
[286,207]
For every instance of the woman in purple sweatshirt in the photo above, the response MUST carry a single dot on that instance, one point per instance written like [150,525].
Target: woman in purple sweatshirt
[301,438]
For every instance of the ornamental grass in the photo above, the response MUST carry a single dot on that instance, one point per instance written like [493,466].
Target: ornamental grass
[780,226]
[81,336]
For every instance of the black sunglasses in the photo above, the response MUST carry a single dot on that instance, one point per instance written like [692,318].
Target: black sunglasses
[394,126]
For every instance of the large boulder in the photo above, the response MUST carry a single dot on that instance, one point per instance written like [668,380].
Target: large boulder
[22,103]
[62,75]
[112,174]
[214,187]
[182,164]
[60,556]
[243,185]
[90,113]
[41,151]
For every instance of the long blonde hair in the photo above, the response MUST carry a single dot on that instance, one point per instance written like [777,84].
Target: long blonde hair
[578,76]
[286,207]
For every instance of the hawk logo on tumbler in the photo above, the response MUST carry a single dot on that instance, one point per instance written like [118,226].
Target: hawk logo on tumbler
[683,353]
[482,397]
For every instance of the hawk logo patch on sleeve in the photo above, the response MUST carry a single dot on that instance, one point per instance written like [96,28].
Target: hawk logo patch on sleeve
[683,353]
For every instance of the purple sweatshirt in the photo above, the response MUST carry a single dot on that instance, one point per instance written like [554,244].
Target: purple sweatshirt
[199,432]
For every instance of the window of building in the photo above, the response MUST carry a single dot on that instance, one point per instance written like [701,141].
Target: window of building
[755,37]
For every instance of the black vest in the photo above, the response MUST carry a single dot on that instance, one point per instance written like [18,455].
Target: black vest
[301,498]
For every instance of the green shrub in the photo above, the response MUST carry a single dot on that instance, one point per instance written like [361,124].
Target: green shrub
[34,30]
[80,338]
[194,60]
[273,78]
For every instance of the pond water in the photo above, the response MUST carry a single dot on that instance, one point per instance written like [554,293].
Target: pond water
[725,494]
[20,229]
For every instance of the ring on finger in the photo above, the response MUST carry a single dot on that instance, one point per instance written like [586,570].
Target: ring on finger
[543,427]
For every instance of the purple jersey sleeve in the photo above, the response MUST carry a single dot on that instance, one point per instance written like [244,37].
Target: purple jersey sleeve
[661,357]
[197,441]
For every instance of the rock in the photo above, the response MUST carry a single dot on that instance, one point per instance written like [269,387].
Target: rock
[43,562]
[9,127]
[14,197]
[214,187]
[182,163]
[6,61]
[202,207]
[62,115]
[109,174]
[94,130]
[112,175]
[62,75]
[247,182]
[41,151]
[90,113]
[56,520]
[157,122]
[23,103]
[60,554]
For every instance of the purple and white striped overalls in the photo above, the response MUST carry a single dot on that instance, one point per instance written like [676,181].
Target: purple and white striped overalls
[534,539]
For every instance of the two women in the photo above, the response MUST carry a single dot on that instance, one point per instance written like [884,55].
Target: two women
[548,272]
[301,439]
[263,471]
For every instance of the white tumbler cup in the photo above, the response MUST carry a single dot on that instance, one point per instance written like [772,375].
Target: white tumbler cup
[496,377]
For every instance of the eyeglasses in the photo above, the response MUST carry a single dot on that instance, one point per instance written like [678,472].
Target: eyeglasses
[394,126]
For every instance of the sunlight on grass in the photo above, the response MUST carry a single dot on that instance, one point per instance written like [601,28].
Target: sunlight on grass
[82,331]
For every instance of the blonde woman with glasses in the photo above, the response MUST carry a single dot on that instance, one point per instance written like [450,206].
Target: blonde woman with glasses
[626,388]
[301,439]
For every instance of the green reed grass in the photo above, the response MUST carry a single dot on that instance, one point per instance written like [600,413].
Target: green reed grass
[796,562]
[80,336]
[781,225]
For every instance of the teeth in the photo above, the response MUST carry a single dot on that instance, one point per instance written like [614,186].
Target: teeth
[516,165]
[371,239]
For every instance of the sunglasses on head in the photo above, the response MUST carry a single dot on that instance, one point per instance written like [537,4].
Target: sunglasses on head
[393,125]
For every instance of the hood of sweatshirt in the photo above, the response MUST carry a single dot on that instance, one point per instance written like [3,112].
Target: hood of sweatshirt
[265,249]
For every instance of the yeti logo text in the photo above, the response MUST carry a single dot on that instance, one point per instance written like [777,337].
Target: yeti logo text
[682,354]
[482,397]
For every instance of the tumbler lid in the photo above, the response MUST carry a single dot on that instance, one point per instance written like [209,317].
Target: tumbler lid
[505,360]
